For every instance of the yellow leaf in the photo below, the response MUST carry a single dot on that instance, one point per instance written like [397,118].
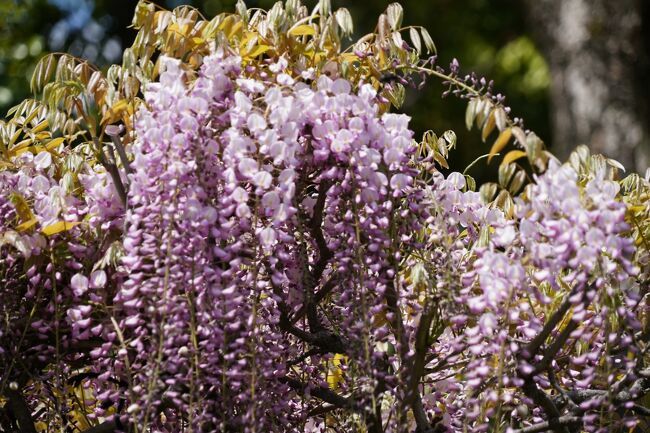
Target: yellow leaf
[302,30]
[500,143]
[30,117]
[258,50]
[246,39]
[15,137]
[54,143]
[17,152]
[226,24]
[349,57]
[34,149]
[22,144]
[248,43]
[157,16]
[511,156]
[489,126]
[198,41]
[27,225]
[336,372]
[176,28]
[381,58]
[21,206]
[41,126]
[58,227]
[379,319]
[237,27]
[115,112]
[120,105]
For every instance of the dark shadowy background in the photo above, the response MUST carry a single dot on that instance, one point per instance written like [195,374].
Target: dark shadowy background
[575,70]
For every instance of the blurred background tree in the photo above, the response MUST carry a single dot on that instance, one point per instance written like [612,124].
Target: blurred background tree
[493,38]
[599,55]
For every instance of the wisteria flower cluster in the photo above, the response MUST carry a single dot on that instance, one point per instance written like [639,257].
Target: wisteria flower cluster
[565,255]
[263,246]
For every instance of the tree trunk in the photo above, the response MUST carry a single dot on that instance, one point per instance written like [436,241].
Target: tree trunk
[598,53]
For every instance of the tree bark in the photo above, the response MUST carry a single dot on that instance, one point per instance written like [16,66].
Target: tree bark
[598,52]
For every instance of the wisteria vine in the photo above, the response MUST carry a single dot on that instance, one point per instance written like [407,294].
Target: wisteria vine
[273,251]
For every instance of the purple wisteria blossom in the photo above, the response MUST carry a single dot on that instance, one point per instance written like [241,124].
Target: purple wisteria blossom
[275,253]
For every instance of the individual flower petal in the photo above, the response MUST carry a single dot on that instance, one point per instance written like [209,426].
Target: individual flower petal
[98,279]
[79,284]
[43,160]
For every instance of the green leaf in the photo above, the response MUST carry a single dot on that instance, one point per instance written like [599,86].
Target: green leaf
[614,163]
[450,138]
[325,8]
[415,39]
[483,107]
[517,182]
[520,135]
[470,113]
[396,37]
[344,20]
[142,12]
[501,118]
[64,68]
[483,237]
[395,13]
[129,60]
[505,174]
[471,183]
[396,95]
[534,146]
[504,201]
[52,144]
[428,42]
[43,72]
[487,191]
[242,10]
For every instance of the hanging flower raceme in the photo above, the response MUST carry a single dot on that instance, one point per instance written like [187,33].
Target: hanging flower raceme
[272,250]
[48,251]
[251,192]
[569,257]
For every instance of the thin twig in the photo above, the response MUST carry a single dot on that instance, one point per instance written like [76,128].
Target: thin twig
[117,142]
[533,392]
[112,170]
[539,339]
